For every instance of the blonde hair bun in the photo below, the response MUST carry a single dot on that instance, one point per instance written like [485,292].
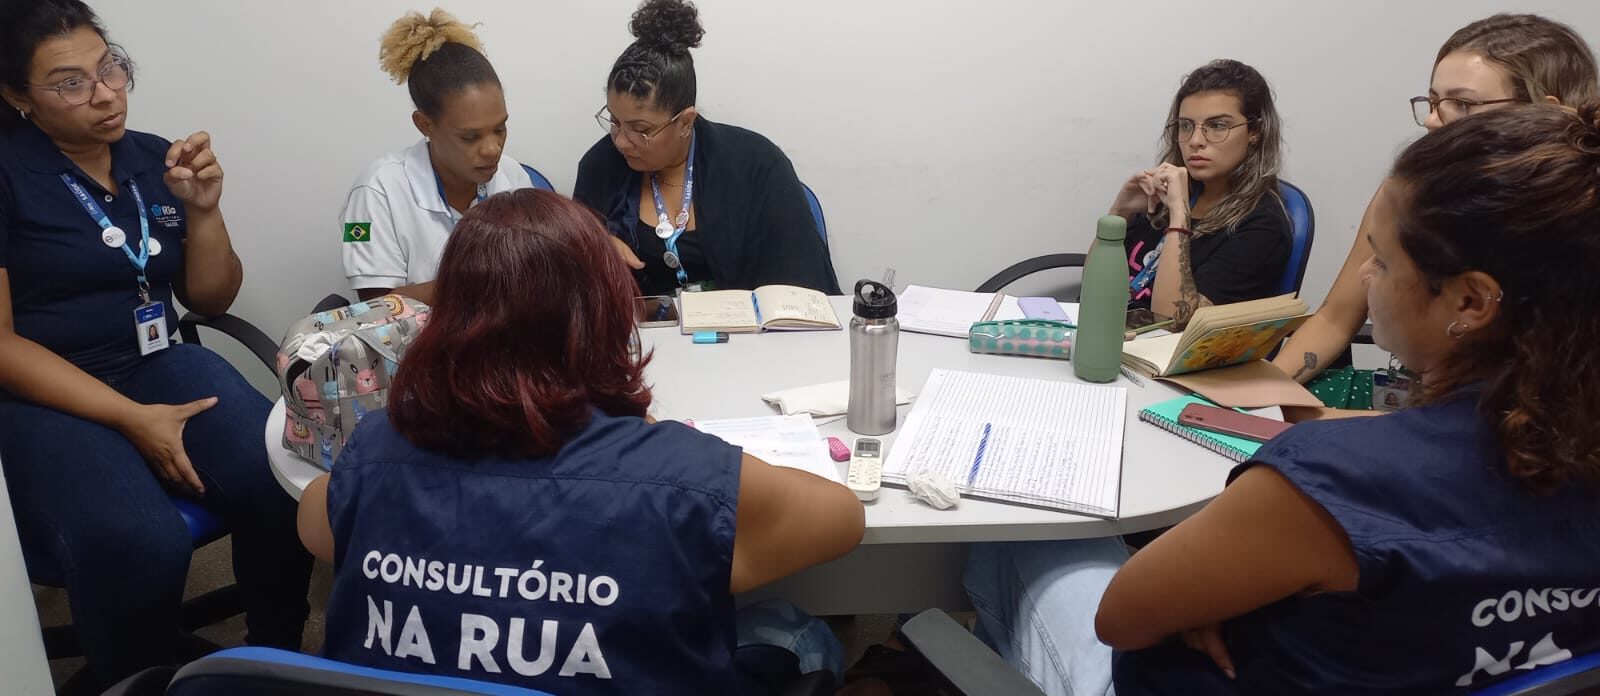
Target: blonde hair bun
[412,38]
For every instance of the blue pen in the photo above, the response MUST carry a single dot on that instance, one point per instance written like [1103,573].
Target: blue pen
[977,459]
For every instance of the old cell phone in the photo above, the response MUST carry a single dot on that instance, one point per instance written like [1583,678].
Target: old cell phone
[1230,422]
[1042,308]
[866,469]
[655,310]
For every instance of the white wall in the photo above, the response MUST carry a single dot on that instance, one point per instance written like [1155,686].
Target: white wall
[947,139]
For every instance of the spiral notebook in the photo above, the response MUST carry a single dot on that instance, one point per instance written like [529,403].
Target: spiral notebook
[1165,416]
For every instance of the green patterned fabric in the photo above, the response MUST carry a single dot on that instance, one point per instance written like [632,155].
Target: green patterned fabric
[1346,388]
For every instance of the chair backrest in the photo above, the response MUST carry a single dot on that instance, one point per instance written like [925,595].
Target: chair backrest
[539,180]
[1303,223]
[816,212]
[1578,675]
[253,671]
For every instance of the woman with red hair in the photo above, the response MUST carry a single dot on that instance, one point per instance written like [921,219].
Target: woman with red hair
[514,516]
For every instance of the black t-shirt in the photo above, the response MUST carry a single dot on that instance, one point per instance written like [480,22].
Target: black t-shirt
[1243,263]
[656,278]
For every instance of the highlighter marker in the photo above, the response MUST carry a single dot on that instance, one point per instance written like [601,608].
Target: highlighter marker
[710,337]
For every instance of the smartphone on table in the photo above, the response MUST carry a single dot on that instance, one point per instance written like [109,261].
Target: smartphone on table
[1230,422]
[655,310]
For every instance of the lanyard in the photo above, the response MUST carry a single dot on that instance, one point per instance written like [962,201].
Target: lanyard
[670,231]
[140,259]
[483,191]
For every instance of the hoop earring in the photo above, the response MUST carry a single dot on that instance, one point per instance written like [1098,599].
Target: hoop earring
[1498,296]
[24,114]
[1451,330]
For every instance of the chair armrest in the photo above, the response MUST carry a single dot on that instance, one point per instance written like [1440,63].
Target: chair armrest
[1363,335]
[1022,269]
[332,301]
[963,660]
[265,349]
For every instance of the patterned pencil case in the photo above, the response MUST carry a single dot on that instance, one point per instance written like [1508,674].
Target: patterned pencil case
[1039,338]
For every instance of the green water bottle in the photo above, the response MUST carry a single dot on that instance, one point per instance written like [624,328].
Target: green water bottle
[1103,307]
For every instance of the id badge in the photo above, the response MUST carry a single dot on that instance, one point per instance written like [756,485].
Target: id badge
[1391,390]
[150,327]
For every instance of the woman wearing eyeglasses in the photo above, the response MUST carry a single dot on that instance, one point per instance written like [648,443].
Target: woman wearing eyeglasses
[403,207]
[1488,64]
[100,229]
[693,204]
[1206,226]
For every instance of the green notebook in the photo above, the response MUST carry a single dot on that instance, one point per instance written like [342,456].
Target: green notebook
[1165,416]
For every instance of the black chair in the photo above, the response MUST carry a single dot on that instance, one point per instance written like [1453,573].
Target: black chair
[1302,223]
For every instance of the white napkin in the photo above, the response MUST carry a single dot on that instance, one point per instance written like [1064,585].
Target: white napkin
[830,399]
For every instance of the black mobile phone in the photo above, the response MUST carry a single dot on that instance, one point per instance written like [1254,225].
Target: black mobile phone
[655,310]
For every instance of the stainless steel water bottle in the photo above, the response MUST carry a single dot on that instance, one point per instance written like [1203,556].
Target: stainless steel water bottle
[874,343]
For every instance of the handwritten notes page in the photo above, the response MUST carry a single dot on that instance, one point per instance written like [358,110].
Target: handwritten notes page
[791,441]
[790,307]
[721,310]
[1030,441]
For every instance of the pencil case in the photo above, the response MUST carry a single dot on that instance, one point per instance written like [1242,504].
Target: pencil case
[1039,338]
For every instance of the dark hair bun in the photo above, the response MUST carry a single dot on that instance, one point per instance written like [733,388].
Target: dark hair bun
[667,26]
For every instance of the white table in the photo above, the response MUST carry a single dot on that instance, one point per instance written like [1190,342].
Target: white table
[912,554]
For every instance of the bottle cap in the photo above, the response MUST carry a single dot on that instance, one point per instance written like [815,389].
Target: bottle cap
[1111,228]
[874,300]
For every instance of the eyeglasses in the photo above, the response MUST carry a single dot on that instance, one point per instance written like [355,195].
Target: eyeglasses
[1449,108]
[609,124]
[77,91]
[1214,131]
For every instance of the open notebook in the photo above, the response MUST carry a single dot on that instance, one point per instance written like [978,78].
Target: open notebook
[1035,442]
[768,308]
[1218,336]
[953,312]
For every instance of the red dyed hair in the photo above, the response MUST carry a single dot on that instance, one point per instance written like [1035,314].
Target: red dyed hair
[531,324]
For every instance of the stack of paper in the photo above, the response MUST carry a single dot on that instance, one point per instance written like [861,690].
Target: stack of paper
[953,312]
[791,441]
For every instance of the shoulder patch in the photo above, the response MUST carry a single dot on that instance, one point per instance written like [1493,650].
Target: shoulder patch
[358,232]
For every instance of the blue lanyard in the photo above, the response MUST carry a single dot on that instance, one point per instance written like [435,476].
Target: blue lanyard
[682,223]
[139,260]
[483,190]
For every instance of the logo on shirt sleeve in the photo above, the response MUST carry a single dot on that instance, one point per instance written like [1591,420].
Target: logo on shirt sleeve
[358,232]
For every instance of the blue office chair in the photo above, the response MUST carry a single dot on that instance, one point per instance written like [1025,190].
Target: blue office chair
[1303,223]
[204,526]
[816,212]
[539,180]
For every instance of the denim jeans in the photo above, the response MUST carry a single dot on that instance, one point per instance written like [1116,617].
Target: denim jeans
[1036,603]
[88,508]
[781,624]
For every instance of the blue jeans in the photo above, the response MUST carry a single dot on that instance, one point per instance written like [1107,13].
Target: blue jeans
[88,508]
[781,624]
[1036,603]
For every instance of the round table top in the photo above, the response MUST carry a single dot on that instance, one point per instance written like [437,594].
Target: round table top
[1164,478]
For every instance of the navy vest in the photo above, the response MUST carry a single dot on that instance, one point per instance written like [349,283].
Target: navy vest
[1467,577]
[602,569]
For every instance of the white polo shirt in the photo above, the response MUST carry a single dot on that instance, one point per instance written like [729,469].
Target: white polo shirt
[395,223]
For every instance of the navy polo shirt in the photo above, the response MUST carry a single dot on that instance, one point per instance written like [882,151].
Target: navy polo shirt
[70,292]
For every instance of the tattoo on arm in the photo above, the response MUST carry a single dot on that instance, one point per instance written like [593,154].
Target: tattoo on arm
[1189,298]
[1311,364]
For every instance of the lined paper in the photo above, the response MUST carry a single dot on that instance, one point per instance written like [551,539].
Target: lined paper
[1050,444]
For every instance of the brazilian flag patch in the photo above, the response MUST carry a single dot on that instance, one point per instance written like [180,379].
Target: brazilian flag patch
[358,232]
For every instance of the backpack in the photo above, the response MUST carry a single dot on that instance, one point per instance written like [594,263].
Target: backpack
[335,367]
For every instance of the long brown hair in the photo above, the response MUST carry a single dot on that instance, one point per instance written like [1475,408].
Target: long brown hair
[531,328]
[1515,193]
[1257,175]
[1543,57]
